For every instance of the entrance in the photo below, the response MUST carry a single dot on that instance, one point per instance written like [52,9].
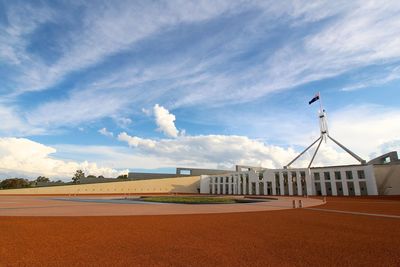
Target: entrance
[328,188]
[339,188]
[261,188]
[350,186]
[318,189]
[363,188]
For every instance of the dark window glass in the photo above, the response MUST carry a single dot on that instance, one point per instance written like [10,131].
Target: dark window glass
[349,175]
[316,176]
[361,174]
[338,176]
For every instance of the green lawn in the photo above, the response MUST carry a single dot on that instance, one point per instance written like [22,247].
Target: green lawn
[190,200]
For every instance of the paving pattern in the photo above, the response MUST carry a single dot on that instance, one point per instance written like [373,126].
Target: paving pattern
[117,206]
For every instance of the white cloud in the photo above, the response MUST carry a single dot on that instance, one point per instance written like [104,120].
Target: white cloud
[353,34]
[136,141]
[105,132]
[225,151]
[366,128]
[106,29]
[13,124]
[123,122]
[147,112]
[375,79]
[165,121]
[23,157]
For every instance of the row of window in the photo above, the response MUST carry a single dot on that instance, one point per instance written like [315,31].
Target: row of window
[229,179]
[338,175]
[317,177]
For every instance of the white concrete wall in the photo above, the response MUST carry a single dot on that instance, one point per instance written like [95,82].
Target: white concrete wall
[388,179]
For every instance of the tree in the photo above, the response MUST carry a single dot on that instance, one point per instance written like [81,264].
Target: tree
[78,176]
[42,179]
[14,183]
[100,177]
[91,176]
[123,176]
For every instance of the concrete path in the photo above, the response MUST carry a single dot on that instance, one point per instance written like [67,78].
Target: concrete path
[356,213]
[109,206]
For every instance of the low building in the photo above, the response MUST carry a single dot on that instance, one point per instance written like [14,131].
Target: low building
[345,180]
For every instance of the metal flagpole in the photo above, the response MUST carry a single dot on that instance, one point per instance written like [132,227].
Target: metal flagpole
[324,135]
[320,101]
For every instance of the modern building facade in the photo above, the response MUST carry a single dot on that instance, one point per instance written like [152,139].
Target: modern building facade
[353,180]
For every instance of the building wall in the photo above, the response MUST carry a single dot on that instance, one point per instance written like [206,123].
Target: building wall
[167,185]
[146,176]
[198,172]
[354,180]
[388,179]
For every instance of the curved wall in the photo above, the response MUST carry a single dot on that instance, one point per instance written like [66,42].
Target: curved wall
[166,185]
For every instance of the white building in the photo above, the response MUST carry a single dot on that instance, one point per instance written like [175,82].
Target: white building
[352,180]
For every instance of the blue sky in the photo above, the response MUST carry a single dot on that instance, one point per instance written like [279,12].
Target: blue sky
[110,86]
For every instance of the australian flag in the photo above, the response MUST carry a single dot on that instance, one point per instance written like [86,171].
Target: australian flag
[315,98]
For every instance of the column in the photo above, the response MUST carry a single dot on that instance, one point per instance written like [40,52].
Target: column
[239,186]
[212,180]
[310,184]
[333,183]
[322,180]
[282,186]
[230,183]
[273,183]
[265,187]
[244,185]
[344,183]
[290,183]
[298,181]
[357,190]
[218,186]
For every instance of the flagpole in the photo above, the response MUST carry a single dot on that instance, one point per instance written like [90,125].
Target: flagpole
[320,102]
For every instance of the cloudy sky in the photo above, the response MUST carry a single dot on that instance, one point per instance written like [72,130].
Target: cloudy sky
[107,86]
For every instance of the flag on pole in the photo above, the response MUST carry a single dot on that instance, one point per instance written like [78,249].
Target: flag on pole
[315,98]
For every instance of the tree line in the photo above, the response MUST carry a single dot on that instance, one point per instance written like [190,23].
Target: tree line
[13,183]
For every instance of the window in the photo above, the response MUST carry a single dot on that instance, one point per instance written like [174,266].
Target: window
[227,180]
[221,179]
[338,176]
[294,176]
[361,174]
[349,175]
[285,178]
[185,172]
[327,175]
[316,176]
[260,176]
